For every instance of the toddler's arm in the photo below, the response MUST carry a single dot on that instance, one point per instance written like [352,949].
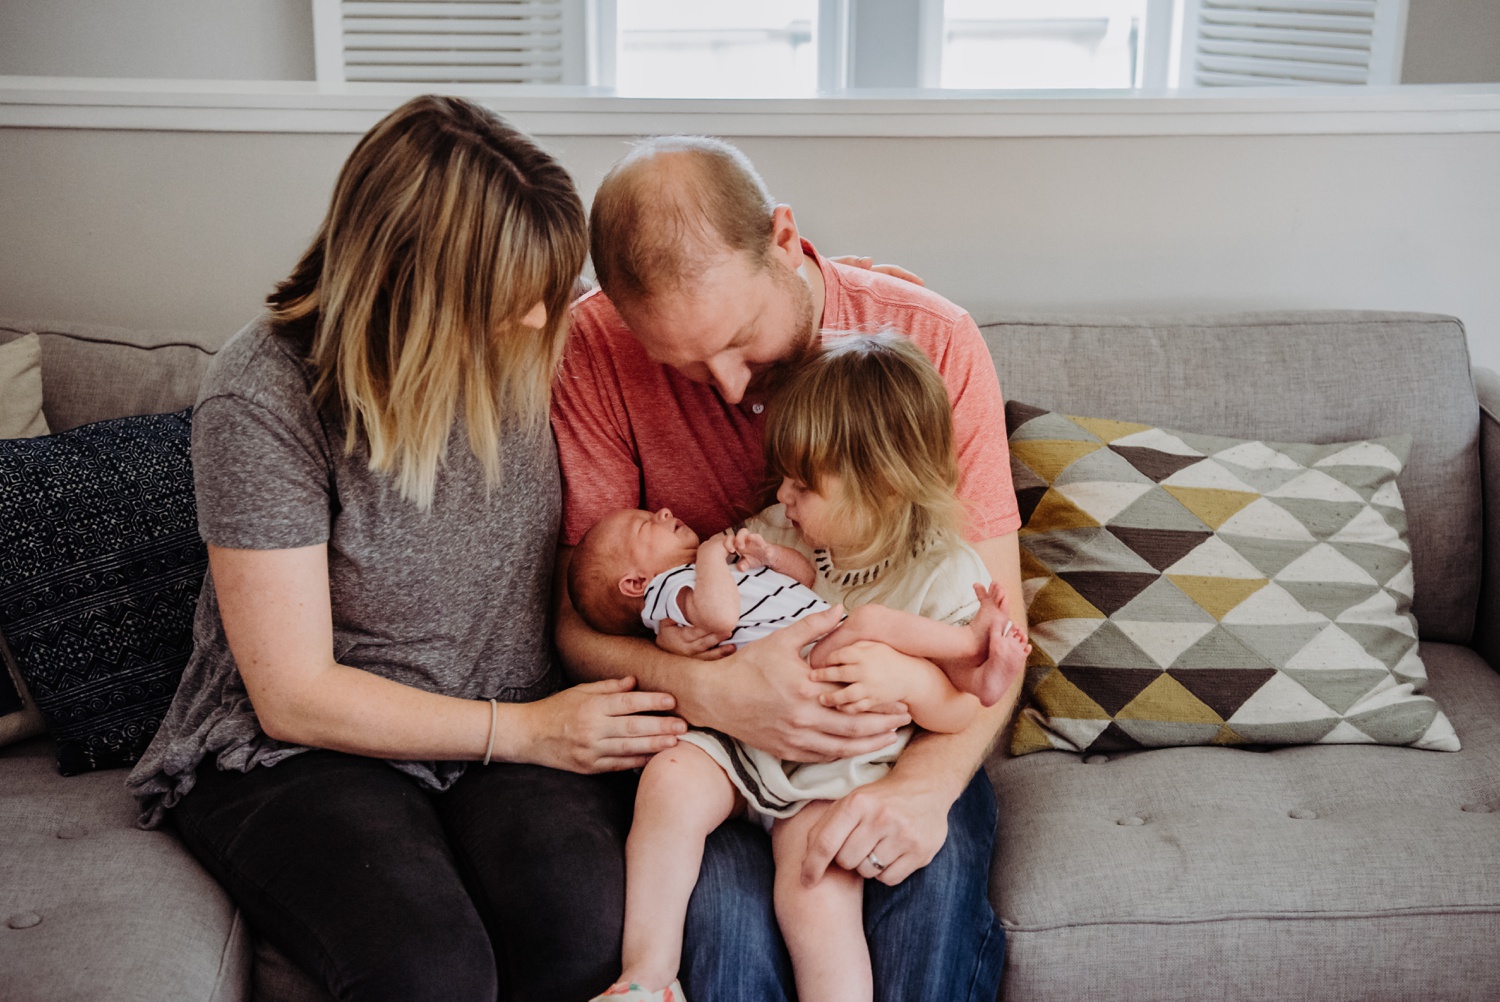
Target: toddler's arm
[756,552]
[876,674]
[982,658]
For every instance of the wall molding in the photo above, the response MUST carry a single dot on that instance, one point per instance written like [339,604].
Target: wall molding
[307,107]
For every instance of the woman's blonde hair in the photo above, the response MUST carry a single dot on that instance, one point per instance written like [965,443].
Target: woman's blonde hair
[873,411]
[446,227]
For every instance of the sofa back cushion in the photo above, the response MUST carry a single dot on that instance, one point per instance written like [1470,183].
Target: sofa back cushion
[1297,376]
[91,372]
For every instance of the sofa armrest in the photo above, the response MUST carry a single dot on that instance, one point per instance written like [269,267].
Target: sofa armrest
[1487,622]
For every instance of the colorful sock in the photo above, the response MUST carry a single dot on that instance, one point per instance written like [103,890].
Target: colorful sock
[622,992]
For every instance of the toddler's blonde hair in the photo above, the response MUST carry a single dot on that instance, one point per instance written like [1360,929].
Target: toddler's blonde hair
[872,410]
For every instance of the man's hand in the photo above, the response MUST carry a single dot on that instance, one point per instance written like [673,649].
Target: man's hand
[901,820]
[765,698]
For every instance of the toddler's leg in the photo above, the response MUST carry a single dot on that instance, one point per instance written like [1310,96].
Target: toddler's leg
[823,925]
[683,795]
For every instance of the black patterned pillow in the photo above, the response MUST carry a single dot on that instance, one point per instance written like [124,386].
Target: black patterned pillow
[100,568]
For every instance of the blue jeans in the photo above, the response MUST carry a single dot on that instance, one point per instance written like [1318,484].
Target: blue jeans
[933,936]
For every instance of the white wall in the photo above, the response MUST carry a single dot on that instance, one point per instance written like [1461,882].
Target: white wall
[189,230]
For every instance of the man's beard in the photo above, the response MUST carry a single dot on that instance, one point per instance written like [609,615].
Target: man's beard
[803,341]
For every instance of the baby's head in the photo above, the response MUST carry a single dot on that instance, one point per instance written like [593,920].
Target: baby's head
[869,414]
[615,561]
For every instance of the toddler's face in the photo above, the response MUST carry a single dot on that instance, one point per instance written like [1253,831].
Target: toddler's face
[654,541]
[811,511]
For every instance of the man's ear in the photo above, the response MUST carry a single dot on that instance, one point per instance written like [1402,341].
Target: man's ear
[633,585]
[786,242]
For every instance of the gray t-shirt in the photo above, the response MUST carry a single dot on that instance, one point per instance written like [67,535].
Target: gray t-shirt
[452,600]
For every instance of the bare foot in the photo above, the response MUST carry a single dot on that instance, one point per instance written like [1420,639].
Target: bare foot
[1004,649]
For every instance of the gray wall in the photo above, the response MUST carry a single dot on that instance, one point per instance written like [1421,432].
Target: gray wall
[189,230]
[211,39]
[1447,41]
[1452,41]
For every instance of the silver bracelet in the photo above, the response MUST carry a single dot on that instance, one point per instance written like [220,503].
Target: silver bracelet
[489,749]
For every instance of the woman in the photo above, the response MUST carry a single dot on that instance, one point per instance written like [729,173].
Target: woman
[378,488]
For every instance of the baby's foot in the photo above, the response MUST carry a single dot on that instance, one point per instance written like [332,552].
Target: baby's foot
[1003,649]
[631,992]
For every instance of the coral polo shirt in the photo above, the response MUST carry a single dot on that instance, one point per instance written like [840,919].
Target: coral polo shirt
[633,433]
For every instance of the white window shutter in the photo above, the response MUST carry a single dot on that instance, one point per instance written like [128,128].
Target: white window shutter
[1261,43]
[452,41]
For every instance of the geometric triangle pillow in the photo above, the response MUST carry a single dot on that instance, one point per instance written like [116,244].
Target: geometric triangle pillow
[1189,589]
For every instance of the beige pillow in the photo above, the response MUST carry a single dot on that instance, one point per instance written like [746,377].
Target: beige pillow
[20,417]
[21,388]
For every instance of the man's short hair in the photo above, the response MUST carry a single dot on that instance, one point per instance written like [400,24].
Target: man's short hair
[671,206]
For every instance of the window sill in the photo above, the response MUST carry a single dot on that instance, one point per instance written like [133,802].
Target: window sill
[295,106]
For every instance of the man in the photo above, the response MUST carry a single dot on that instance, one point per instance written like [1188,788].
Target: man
[708,293]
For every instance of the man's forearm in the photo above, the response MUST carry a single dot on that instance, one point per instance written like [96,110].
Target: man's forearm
[948,761]
[589,656]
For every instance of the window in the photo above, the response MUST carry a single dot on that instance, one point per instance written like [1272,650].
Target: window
[688,48]
[795,48]
[1059,44]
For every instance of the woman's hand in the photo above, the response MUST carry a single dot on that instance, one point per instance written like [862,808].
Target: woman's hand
[692,642]
[595,727]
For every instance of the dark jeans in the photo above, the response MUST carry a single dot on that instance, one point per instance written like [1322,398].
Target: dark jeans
[933,936]
[510,884]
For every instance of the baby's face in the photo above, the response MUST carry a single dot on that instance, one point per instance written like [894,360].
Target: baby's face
[653,542]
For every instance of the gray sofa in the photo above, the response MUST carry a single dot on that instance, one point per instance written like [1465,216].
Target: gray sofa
[1325,872]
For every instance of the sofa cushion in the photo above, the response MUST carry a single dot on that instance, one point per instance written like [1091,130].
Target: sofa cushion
[100,569]
[1302,376]
[91,372]
[1189,589]
[91,907]
[1306,872]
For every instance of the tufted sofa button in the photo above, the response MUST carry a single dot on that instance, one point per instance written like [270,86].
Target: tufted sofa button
[1477,808]
[1131,822]
[1095,759]
[1302,814]
[25,920]
[71,831]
